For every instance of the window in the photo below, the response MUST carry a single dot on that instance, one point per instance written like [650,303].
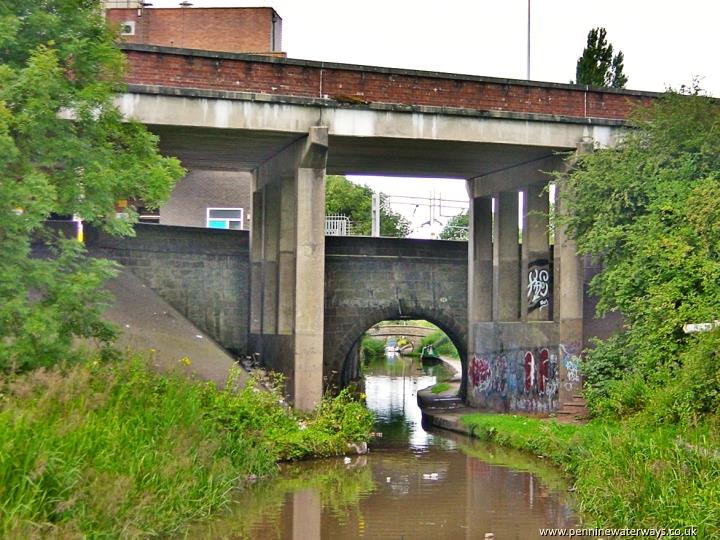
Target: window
[225,218]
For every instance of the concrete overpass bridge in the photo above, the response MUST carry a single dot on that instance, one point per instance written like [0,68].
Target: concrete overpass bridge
[290,122]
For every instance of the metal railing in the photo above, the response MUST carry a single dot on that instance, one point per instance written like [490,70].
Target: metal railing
[338,225]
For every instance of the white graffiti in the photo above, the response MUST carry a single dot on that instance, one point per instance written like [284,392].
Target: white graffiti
[572,368]
[538,288]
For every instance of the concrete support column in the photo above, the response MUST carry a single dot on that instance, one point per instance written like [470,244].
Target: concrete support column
[310,271]
[290,250]
[287,254]
[271,236]
[569,272]
[480,257]
[256,257]
[536,278]
[506,258]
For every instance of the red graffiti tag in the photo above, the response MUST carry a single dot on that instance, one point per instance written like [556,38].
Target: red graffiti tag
[479,371]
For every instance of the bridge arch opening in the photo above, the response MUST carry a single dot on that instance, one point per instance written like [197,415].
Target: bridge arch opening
[412,345]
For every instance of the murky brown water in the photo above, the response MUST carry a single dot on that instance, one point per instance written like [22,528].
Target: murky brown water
[414,483]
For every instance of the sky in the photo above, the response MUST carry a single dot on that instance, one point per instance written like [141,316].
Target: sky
[666,43]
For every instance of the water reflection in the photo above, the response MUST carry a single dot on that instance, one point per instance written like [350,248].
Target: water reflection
[391,387]
[414,483]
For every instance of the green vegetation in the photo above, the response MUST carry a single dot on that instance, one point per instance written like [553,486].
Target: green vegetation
[58,60]
[440,387]
[598,66]
[648,211]
[442,344]
[112,449]
[355,201]
[456,228]
[371,348]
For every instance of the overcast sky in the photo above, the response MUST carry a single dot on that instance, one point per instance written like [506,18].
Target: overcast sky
[665,42]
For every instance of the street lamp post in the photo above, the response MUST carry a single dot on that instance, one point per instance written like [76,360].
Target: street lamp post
[528,42]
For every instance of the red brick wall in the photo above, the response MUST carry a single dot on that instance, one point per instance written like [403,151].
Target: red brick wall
[303,79]
[241,30]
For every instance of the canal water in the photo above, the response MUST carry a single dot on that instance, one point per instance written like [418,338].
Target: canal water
[415,483]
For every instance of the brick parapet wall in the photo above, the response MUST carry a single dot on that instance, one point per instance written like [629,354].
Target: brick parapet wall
[184,68]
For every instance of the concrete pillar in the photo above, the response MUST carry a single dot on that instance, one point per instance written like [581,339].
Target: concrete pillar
[256,257]
[271,236]
[480,257]
[310,273]
[569,272]
[292,258]
[506,258]
[536,279]
[286,256]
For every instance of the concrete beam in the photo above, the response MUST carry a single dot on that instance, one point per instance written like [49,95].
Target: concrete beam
[384,137]
[516,178]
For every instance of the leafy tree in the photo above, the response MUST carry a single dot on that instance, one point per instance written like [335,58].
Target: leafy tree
[648,210]
[64,149]
[355,201]
[456,228]
[597,66]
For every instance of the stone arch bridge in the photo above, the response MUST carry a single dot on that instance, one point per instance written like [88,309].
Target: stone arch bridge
[205,275]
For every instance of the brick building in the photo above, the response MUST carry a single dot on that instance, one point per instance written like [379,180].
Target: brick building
[204,198]
[239,30]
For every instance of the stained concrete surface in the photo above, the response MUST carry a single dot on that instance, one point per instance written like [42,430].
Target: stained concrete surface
[151,325]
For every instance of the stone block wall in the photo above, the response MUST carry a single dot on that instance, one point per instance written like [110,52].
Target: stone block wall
[203,273]
[368,280]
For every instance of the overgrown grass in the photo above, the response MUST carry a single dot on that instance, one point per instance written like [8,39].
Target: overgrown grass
[442,344]
[627,474]
[107,450]
[440,387]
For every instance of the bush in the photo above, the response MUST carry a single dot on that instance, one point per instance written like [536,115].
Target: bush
[372,349]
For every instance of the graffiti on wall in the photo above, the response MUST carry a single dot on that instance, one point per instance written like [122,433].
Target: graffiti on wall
[570,354]
[518,379]
[538,285]
[480,373]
